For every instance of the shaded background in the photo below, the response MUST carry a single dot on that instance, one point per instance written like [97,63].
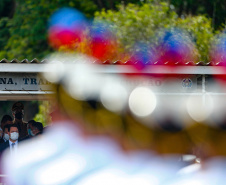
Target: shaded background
[31,108]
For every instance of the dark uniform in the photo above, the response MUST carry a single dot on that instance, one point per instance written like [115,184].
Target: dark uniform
[18,112]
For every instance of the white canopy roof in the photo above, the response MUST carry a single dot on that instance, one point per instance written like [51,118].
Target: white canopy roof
[25,82]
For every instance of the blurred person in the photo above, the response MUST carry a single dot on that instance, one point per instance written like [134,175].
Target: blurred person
[210,149]
[88,144]
[29,130]
[6,132]
[47,127]
[1,136]
[18,113]
[36,128]
[29,125]
[13,139]
[208,137]
[6,119]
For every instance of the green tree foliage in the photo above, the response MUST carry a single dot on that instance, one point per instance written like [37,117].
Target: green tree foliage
[215,9]
[7,8]
[24,23]
[145,23]
[112,4]
[201,30]
[43,114]
[4,32]
[25,35]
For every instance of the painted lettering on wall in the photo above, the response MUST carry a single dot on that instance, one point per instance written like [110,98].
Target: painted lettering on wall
[6,81]
[35,81]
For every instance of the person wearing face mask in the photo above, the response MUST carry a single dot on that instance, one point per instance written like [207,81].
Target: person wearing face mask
[13,139]
[6,132]
[6,119]
[29,125]
[29,129]
[18,113]
[36,128]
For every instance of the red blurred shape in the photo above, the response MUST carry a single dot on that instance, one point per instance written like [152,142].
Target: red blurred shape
[103,49]
[190,63]
[201,63]
[157,63]
[119,62]
[180,63]
[107,62]
[213,63]
[98,62]
[208,64]
[129,62]
[220,63]
[63,37]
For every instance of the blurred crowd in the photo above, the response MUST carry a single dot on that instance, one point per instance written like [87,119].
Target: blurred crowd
[14,130]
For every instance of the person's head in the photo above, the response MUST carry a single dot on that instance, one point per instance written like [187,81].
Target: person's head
[18,110]
[6,128]
[14,132]
[29,125]
[6,119]
[36,128]
[1,133]
[6,132]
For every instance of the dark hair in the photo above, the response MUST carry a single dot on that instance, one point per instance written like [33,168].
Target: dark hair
[6,126]
[31,121]
[18,105]
[14,125]
[6,118]
[38,125]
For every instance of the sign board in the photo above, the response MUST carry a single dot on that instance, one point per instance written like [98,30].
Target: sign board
[34,82]
[23,82]
[178,84]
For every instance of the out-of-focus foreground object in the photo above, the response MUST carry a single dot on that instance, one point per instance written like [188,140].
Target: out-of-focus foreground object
[123,124]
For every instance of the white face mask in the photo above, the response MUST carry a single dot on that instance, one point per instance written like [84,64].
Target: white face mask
[32,134]
[14,136]
[6,137]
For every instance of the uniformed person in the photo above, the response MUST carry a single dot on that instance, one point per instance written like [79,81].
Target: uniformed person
[18,114]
